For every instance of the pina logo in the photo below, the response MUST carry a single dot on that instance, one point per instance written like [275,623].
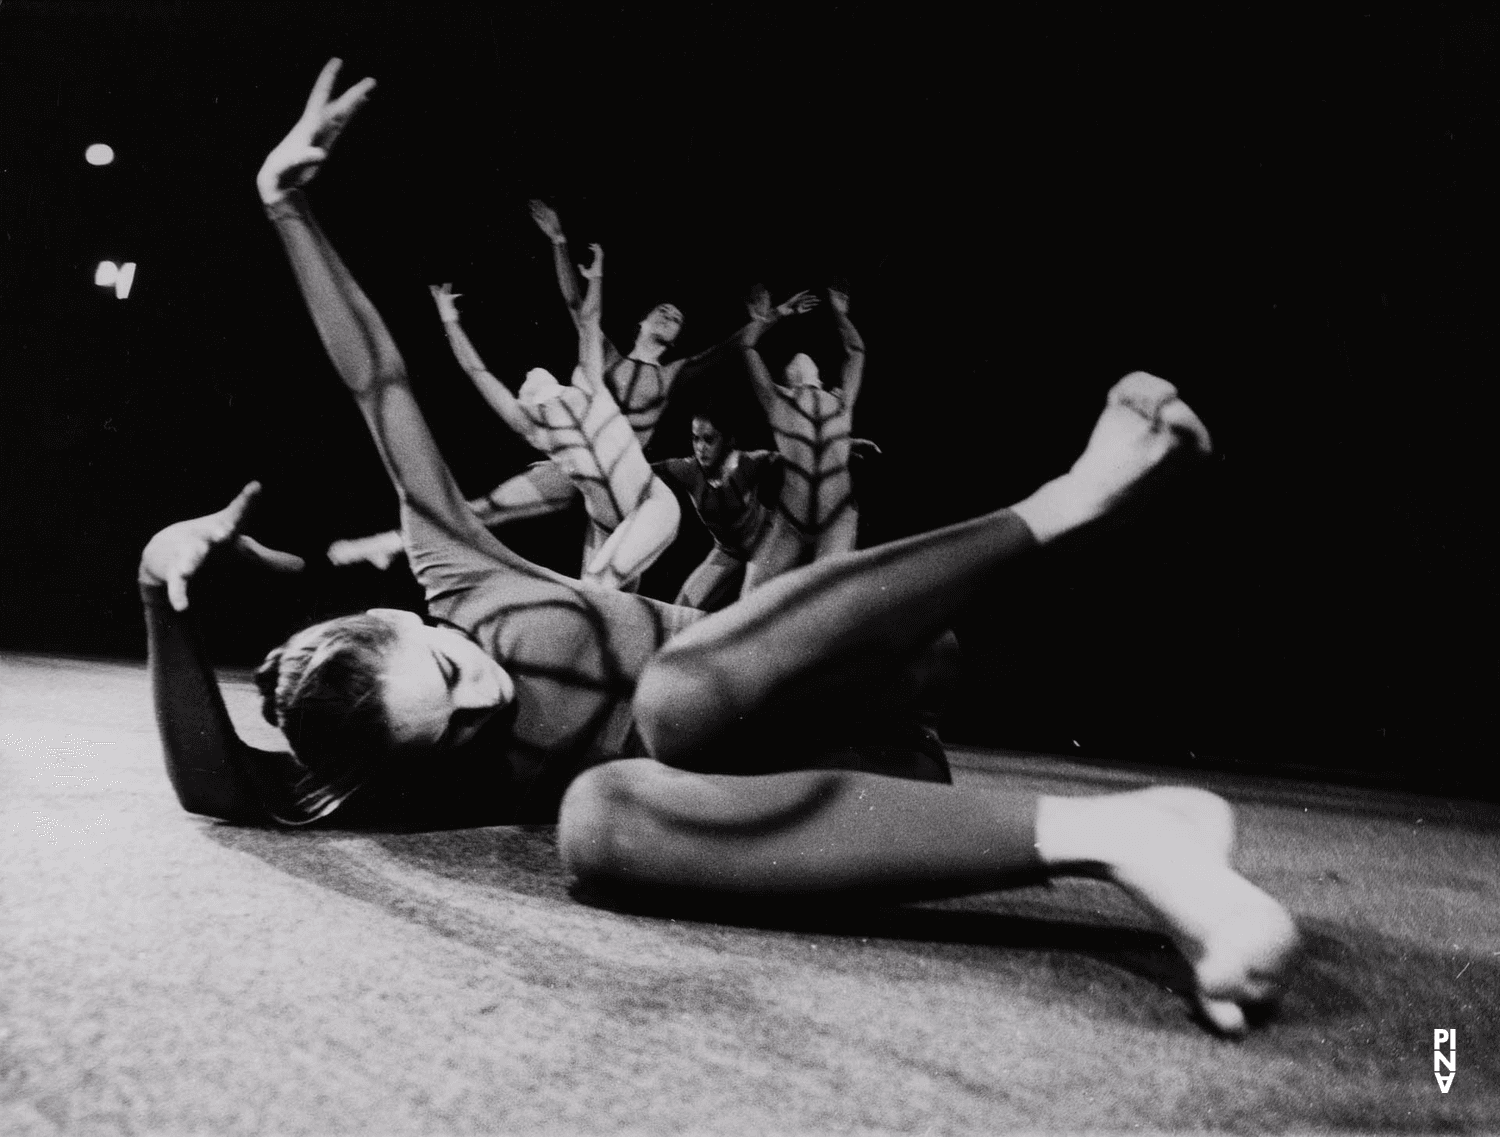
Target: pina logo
[1441,1060]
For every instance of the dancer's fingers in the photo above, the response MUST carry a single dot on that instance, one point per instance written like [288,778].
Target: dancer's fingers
[177,588]
[343,108]
[273,559]
[233,514]
[1181,418]
[323,87]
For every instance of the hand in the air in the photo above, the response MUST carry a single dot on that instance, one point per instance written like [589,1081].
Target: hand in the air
[758,303]
[546,219]
[596,269]
[297,157]
[446,300]
[178,551]
[840,300]
[803,301]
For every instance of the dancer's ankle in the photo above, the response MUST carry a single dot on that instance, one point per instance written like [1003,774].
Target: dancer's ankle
[1058,507]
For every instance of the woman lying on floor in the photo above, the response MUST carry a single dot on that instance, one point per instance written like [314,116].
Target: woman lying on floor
[676,750]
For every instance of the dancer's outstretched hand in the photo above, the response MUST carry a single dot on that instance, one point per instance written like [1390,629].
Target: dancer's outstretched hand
[596,269]
[546,219]
[446,300]
[797,304]
[758,303]
[297,157]
[381,550]
[178,551]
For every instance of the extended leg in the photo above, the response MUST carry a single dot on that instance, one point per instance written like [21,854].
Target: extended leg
[541,488]
[841,834]
[781,549]
[638,540]
[818,635]
[714,583]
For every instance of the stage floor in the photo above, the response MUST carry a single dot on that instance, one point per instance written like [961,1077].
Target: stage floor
[163,973]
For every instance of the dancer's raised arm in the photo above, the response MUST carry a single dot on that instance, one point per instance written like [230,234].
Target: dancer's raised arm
[562,261]
[356,338]
[494,392]
[590,375]
[854,348]
[692,365]
[762,318]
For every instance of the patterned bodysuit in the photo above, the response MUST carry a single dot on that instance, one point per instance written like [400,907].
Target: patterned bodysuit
[819,674]
[641,387]
[816,515]
[731,510]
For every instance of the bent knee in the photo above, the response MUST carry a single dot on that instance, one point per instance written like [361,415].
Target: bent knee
[680,703]
[600,811]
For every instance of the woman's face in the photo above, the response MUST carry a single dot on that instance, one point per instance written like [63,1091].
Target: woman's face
[708,444]
[663,323]
[438,686]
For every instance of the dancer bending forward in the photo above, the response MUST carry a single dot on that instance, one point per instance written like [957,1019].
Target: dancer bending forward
[725,485]
[551,675]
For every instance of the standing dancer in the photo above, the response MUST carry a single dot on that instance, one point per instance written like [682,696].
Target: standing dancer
[640,381]
[725,485]
[633,516]
[551,675]
[816,515]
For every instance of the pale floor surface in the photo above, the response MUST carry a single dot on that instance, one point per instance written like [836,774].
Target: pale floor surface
[162,973]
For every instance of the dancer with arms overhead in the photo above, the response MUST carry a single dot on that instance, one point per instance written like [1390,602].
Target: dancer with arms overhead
[816,514]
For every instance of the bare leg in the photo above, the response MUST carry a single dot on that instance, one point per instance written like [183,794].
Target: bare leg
[781,549]
[820,635]
[380,550]
[848,621]
[712,584]
[638,540]
[543,488]
[637,823]
[540,489]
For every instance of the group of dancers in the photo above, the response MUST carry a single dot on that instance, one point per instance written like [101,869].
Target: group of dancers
[765,511]
[778,746]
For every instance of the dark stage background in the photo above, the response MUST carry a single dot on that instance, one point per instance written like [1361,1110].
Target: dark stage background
[1286,215]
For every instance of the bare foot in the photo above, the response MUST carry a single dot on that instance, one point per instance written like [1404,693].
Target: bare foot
[1238,939]
[1143,425]
[380,550]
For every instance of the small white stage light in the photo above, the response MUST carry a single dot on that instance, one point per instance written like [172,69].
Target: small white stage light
[121,276]
[99,154]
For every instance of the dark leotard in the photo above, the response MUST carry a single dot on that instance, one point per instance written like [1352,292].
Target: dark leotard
[729,507]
